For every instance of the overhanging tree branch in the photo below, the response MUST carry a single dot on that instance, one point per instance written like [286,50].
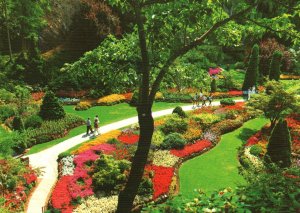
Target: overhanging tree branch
[190,46]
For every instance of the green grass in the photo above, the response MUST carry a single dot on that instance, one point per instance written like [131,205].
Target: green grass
[217,168]
[107,114]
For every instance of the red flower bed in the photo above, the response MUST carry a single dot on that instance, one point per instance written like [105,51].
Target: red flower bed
[235,93]
[61,198]
[254,139]
[192,148]
[37,95]
[162,179]
[129,138]
[30,178]
[238,106]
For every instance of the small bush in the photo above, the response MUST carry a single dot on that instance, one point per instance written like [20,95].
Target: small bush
[50,108]
[192,133]
[227,102]
[173,141]
[179,111]
[6,111]
[33,121]
[174,124]
[256,150]
[206,119]
[111,100]
[157,138]
[18,124]
[226,126]
[84,105]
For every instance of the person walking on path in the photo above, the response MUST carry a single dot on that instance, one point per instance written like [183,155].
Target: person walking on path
[195,100]
[249,93]
[88,126]
[96,125]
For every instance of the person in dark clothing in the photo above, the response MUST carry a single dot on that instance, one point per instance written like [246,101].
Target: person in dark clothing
[89,126]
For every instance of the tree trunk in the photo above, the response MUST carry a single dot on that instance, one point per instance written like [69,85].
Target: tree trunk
[146,123]
[7,30]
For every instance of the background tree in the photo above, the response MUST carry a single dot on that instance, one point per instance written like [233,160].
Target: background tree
[213,86]
[275,103]
[279,146]
[275,66]
[252,70]
[51,108]
[17,123]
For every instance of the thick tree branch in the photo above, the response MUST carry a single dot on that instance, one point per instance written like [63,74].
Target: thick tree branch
[190,46]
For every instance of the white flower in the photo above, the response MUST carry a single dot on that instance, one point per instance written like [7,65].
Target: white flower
[67,165]
[164,158]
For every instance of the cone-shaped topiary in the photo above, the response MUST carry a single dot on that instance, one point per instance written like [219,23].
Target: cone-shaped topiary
[279,147]
[17,124]
[213,86]
[179,111]
[252,70]
[275,66]
[50,108]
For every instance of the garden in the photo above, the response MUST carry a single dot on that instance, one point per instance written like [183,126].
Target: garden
[198,104]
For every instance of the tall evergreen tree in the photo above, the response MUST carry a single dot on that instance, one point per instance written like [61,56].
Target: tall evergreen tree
[50,108]
[252,70]
[213,86]
[279,147]
[275,66]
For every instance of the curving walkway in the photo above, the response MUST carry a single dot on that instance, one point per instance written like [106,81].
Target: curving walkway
[217,168]
[47,159]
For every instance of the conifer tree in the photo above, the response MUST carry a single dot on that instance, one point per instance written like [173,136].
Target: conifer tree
[275,66]
[50,108]
[279,147]
[252,70]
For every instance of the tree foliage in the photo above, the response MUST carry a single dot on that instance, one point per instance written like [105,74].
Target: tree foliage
[252,70]
[275,66]
[279,146]
[51,108]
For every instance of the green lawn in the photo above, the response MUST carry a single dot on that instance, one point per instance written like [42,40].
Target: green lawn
[217,168]
[107,114]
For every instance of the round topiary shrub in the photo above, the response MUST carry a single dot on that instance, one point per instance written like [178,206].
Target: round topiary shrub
[179,111]
[173,141]
[174,124]
[18,124]
[81,106]
[51,108]
[33,121]
[227,102]
[256,150]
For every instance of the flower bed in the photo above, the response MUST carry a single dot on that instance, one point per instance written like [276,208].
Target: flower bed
[129,138]
[36,96]
[111,100]
[162,179]
[198,146]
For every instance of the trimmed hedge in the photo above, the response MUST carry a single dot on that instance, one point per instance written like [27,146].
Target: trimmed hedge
[227,102]
[179,111]
[173,141]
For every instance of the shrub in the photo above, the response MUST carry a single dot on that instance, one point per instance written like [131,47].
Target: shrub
[50,108]
[18,124]
[213,86]
[173,141]
[256,150]
[111,100]
[227,102]
[226,126]
[7,111]
[252,70]
[84,105]
[192,133]
[33,121]
[275,66]
[174,124]
[179,111]
[157,138]
[109,174]
[206,119]
[279,146]
[177,97]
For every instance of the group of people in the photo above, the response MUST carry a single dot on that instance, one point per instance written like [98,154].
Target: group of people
[89,128]
[201,98]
